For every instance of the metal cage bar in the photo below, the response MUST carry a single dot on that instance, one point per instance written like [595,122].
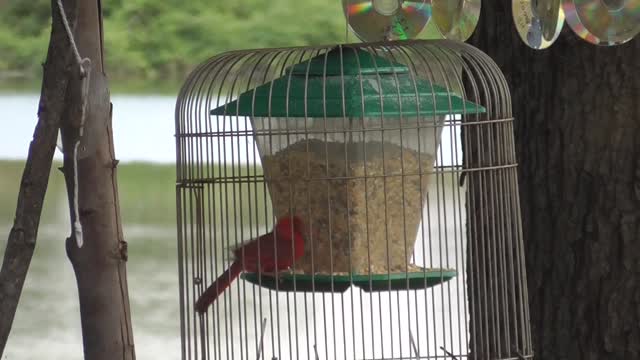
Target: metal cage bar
[399,159]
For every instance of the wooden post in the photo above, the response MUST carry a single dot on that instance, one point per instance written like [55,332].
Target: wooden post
[100,264]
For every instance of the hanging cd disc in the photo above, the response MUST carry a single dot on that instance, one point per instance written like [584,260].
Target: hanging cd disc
[537,25]
[377,20]
[549,13]
[456,19]
[603,22]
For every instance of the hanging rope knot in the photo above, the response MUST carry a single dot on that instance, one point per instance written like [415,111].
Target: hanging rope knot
[85,77]
[85,68]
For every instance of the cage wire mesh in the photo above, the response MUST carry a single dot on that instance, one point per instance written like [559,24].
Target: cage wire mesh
[399,159]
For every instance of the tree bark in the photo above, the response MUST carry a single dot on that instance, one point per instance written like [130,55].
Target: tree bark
[35,177]
[100,264]
[577,110]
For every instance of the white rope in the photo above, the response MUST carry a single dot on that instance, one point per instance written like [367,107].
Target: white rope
[85,70]
[72,41]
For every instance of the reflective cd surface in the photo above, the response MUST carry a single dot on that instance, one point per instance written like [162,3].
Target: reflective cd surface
[549,12]
[537,25]
[456,19]
[603,22]
[377,20]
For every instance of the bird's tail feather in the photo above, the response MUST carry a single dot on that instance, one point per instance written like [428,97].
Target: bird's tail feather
[218,287]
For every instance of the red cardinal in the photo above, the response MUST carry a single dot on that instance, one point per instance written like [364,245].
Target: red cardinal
[277,251]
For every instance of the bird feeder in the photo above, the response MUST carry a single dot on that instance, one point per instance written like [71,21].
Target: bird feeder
[347,141]
[398,157]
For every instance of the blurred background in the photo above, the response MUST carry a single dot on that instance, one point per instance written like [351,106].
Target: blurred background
[150,46]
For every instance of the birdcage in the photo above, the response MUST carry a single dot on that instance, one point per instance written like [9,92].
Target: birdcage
[398,158]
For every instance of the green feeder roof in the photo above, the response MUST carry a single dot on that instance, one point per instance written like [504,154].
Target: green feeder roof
[373,86]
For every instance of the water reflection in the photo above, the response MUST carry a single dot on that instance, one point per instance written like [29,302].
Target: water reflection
[47,323]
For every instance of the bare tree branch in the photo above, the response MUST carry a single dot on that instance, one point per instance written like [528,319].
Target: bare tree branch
[35,178]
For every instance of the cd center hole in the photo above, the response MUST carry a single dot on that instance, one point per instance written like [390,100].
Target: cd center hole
[614,5]
[386,7]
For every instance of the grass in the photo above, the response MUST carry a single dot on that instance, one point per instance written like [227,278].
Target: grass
[147,194]
[10,176]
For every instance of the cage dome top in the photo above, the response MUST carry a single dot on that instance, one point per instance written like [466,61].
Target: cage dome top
[348,82]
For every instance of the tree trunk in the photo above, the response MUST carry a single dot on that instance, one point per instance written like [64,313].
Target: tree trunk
[577,110]
[100,264]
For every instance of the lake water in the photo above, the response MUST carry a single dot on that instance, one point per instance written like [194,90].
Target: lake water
[143,126]
[47,324]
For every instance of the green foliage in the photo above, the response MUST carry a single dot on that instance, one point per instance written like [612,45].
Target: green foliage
[152,40]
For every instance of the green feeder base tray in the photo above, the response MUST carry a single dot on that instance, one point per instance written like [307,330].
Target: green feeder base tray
[287,281]
[403,281]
